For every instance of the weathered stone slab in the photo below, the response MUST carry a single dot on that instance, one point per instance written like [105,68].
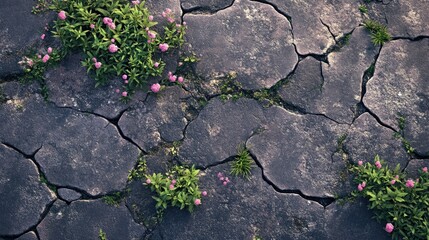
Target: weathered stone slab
[415,166]
[206,5]
[84,219]
[23,197]
[403,18]
[68,194]
[87,152]
[19,31]
[310,17]
[141,204]
[28,236]
[244,209]
[367,138]
[400,86]
[219,130]
[161,117]
[296,151]
[304,87]
[249,38]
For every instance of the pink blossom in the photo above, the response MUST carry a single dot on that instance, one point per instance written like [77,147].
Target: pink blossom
[124,94]
[155,87]
[156,64]
[393,181]
[151,34]
[149,41]
[172,78]
[112,40]
[148,181]
[389,227]
[39,56]
[224,183]
[204,193]
[170,20]
[178,25]
[170,73]
[184,23]
[125,77]
[221,178]
[197,201]
[397,177]
[97,65]
[30,62]
[137,2]
[163,47]
[150,18]
[360,163]
[425,169]
[163,14]
[45,58]
[117,90]
[360,188]
[171,187]
[173,181]
[107,20]
[378,164]
[180,79]
[409,183]
[62,15]
[112,26]
[126,81]
[113,48]
[168,11]
[180,64]
[43,36]
[92,25]
[219,174]
[49,50]
[363,184]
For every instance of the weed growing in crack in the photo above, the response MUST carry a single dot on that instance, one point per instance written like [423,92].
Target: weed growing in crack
[44,180]
[174,150]
[401,135]
[363,9]
[178,188]
[231,89]
[102,235]
[379,33]
[115,198]
[398,201]
[139,171]
[243,163]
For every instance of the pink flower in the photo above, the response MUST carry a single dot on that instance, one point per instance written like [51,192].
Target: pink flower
[112,40]
[49,50]
[156,64]
[137,2]
[221,178]
[172,78]
[107,20]
[113,48]
[125,77]
[180,64]
[94,59]
[180,79]
[397,177]
[97,65]
[219,174]
[92,25]
[45,58]
[360,163]
[170,73]
[117,90]
[148,181]
[178,25]
[360,188]
[378,164]
[43,36]
[124,94]
[171,187]
[204,193]
[126,81]
[150,18]
[155,87]
[163,47]
[30,62]
[363,184]
[170,20]
[197,201]
[224,183]
[393,181]
[151,34]
[425,169]
[184,23]
[173,181]
[409,183]
[389,227]
[62,15]
[112,26]
[168,11]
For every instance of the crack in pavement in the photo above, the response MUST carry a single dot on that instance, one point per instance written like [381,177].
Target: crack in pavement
[203,10]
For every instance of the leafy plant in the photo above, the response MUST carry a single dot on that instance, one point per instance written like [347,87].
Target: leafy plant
[118,38]
[177,188]
[398,201]
[379,33]
[242,164]
[363,9]
[139,171]
[401,135]
[114,199]
[102,235]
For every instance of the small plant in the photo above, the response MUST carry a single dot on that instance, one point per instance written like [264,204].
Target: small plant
[379,33]
[174,150]
[398,201]
[102,235]
[139,171]
[401,135]
[242,164]
[40,7]
[231,89]
[115,198]
[363,9]
[44,180]
[177,188]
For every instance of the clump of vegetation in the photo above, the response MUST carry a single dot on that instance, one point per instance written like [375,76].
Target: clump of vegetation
[399,202]
[139,171]
[102,235]
[40,7]
[242,164]
[379,33]
[363,9]
[177,188]
[231,89]
[401,135]
[115,198]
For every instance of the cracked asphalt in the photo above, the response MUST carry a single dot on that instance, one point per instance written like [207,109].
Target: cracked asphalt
[336,99]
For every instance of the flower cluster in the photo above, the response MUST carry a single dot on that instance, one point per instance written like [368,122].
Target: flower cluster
[222,178]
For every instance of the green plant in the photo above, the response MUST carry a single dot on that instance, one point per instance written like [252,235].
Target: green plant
[115,198]
[242,164]
[102,235]
[40,7]
[363,9]
[174,150]
[44,180]
[398,201]
[118,39]
[379,33]
[177,188]
[230,88]
[139,171]
[401,135]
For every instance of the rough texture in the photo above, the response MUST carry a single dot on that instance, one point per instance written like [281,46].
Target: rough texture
[219,130]
[415,166]
[295,152]
[23,197]
[84,219]
[28,236]
[205,5]
[400,86]
[254,38]
[88,153]
[161,117]
[68,194]
[367,138]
